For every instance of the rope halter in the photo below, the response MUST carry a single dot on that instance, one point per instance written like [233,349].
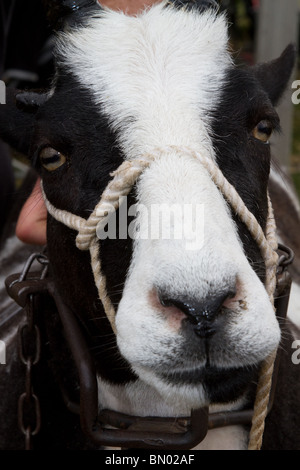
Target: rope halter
[123,180]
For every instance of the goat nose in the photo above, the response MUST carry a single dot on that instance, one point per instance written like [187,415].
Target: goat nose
[201,314]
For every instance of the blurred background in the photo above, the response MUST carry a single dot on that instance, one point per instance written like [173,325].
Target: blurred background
[259,31]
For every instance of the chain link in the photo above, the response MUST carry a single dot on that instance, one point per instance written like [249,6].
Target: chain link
[29,416]
[29,347]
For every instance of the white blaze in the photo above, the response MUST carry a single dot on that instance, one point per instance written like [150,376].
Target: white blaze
[158,78]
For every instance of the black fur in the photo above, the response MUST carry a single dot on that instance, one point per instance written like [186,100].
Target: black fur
[69,12]
[244,161]
[70,123]
[92,152]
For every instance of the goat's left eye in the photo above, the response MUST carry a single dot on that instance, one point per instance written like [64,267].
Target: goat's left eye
[263,131]
[51,159]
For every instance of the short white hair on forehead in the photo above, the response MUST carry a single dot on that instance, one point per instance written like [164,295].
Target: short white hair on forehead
[157,77]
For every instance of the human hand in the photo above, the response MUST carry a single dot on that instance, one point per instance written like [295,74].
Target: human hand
[32,223]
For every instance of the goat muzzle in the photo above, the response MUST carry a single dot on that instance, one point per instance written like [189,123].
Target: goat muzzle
[134,431]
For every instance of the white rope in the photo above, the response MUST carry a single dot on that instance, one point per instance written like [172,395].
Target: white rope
[123,179]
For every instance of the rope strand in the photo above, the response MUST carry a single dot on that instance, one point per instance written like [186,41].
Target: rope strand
[123,179]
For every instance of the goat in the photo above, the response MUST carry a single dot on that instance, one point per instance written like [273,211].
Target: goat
[193,326]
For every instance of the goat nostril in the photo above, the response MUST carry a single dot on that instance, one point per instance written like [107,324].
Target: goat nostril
[199,313]
[165,302]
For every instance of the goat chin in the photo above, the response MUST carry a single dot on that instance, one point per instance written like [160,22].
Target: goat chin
[138,399]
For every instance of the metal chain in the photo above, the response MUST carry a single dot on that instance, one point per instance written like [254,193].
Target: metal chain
[29,346]
[29,416]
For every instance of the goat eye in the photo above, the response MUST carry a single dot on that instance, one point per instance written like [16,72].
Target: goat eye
[51,159]
[263,131]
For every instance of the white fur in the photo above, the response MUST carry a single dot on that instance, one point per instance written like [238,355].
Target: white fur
[157,77]
[227,438]
[141,400]
[145,337]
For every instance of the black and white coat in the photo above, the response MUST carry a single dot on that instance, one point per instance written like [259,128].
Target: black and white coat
[123,87]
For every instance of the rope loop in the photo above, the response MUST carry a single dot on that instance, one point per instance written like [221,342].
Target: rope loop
[120,186]
[122,182]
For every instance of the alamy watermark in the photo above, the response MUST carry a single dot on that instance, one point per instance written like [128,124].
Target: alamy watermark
[2,352]
[156,222]
[2,92]
[296,354]
[296,94]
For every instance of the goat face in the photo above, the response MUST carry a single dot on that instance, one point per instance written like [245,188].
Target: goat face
[193,320]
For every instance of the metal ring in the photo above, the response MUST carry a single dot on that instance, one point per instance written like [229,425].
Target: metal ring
[287,258]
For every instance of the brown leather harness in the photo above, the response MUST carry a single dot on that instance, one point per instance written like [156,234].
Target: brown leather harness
[110,428]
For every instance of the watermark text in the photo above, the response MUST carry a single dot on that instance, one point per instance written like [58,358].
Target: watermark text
[2,352]
[2,92]
[157,222]
[296,354]
[296,94]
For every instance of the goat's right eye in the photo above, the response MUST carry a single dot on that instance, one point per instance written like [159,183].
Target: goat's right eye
[263,131]
[51,159]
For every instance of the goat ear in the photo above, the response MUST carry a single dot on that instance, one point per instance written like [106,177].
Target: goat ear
[274,76]
[17,118]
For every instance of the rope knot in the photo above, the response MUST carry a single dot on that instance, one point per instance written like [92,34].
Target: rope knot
[120,186]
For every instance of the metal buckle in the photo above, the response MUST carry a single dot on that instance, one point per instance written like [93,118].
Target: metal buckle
[20,286]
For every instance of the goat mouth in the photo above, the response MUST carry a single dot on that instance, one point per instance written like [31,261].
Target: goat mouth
[221,385]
